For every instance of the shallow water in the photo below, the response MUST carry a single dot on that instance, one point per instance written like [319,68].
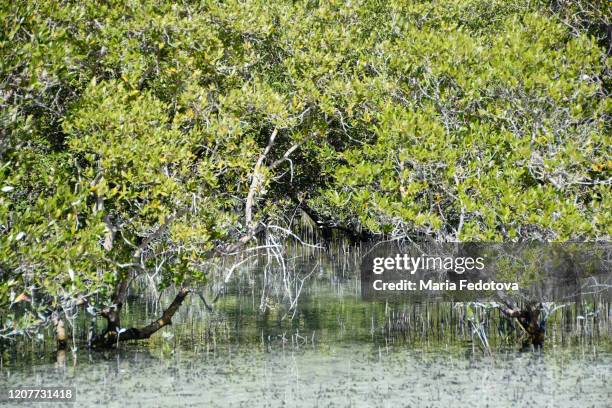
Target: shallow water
[346,375]
[335,351]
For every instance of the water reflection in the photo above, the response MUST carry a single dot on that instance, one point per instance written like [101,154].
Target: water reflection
[350,374]
[337,350]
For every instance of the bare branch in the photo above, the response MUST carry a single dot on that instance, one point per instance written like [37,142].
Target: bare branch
[256,180]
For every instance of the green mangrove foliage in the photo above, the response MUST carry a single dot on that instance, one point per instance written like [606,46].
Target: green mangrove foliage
[148,137]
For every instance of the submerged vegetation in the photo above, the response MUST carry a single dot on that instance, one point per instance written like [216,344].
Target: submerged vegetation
[148,141]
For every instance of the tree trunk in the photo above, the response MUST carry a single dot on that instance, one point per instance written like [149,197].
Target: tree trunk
[529,321]
[60,333]
[114,333]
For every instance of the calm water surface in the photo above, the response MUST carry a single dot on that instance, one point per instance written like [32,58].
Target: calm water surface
[347,375]
[332,353]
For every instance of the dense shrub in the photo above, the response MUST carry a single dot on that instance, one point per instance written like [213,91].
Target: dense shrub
[142,136]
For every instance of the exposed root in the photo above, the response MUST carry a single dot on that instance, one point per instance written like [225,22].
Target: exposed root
[114,333]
